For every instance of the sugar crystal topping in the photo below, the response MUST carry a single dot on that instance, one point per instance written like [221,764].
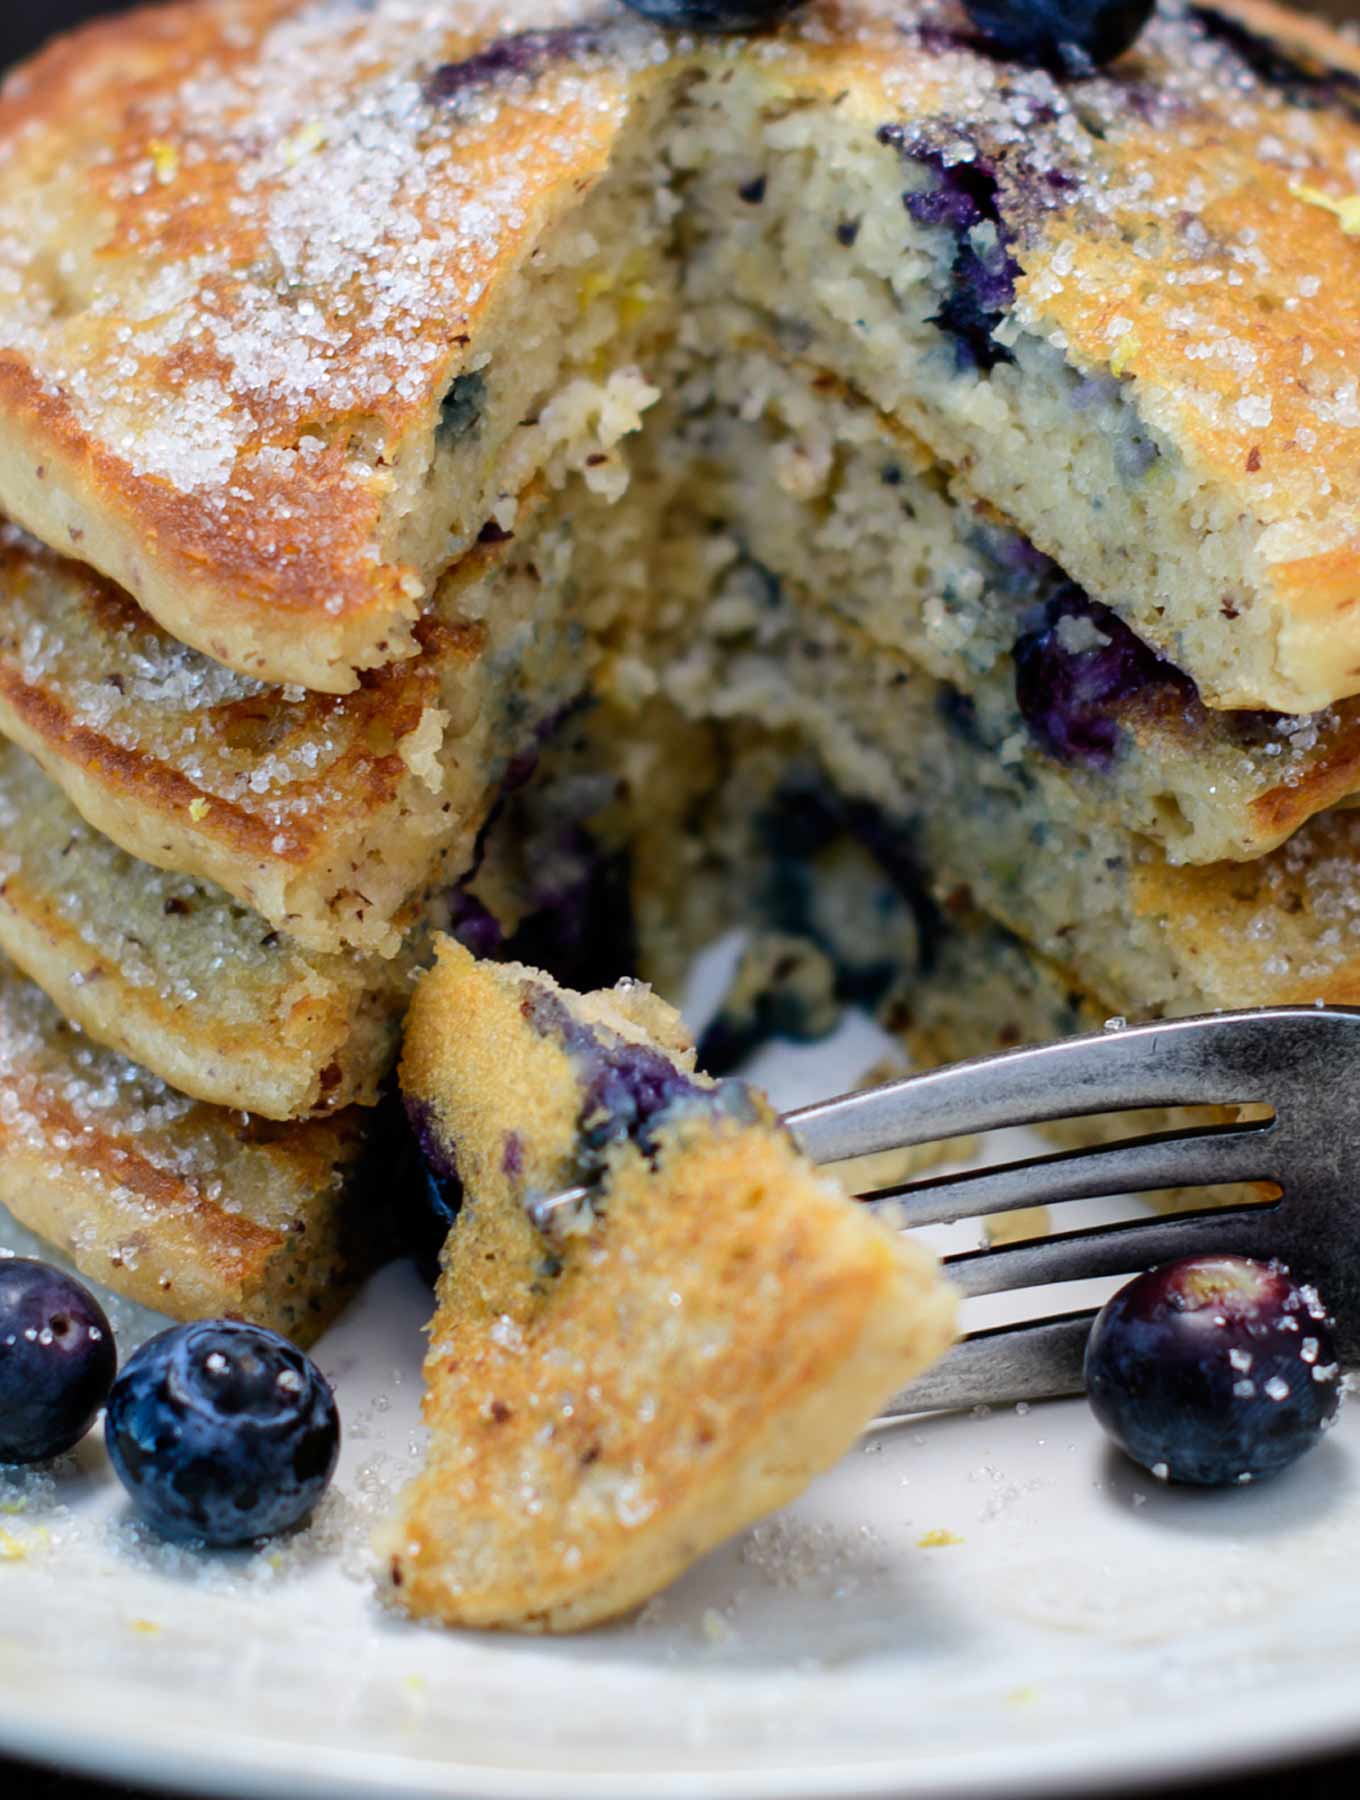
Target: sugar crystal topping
[50,1072]
[287,759]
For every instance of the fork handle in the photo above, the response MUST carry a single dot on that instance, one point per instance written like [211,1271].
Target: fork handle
[1035,1361]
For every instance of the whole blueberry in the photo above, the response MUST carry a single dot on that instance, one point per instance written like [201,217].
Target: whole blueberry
[57,1360]
[1214,1370]
[222,1432]
[714,15]
[1071,37]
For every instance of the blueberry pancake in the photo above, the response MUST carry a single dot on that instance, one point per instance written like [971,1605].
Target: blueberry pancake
[327,814]
[177,975]
[193,1210]
[614,1394]
[937,803]
[299,295]
[829,508]
[986,249]
[257,259]
[595,485]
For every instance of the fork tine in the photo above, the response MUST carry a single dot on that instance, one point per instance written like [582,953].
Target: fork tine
[1224,1057]
[1132,1166]
[1116,1249]
[1033,1361]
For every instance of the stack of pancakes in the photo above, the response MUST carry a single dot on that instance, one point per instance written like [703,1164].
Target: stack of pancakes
[465,459]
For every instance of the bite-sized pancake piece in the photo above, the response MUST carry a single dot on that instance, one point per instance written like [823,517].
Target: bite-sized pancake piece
[614,1394]
[194,1210]
[179,976]
[327,814]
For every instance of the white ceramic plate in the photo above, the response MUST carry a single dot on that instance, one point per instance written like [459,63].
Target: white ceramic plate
[982,1605]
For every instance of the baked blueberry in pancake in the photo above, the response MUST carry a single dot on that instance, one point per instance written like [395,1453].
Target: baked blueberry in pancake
[614,1393]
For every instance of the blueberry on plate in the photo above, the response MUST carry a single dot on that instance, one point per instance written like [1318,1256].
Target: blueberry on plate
[222,1432]
[57,1360]
[1071,37]
[1214,1370]
[714,15]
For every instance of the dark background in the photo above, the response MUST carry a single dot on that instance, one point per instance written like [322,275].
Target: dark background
[23,25]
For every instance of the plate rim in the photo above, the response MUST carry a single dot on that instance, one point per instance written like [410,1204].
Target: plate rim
[259,1768]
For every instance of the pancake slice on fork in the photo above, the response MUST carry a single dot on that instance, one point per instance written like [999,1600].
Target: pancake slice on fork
[613,1392]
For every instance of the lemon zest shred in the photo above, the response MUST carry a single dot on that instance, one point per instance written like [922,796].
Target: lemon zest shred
[1347,208]
[303,142]
[164,160]
[594,283]
[14,1548]
[1124,352]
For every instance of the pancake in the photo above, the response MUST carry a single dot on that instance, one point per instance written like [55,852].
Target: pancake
[1112,304]
[613,1395]
[883,756]
[190,1209]
[327,814]
[175,974]
[258,258]
[791,480]
[299,295]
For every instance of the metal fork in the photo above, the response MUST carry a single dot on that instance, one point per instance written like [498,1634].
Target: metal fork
[1302,1061]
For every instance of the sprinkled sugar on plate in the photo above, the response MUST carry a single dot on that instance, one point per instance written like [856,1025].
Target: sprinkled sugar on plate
[995,1604]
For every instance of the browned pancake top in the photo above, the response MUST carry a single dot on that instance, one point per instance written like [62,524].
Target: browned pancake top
[246,246]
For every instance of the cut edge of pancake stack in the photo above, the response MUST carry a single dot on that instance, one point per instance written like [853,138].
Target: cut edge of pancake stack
[915,459]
